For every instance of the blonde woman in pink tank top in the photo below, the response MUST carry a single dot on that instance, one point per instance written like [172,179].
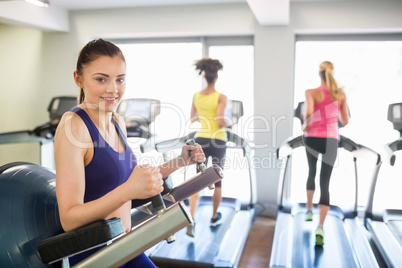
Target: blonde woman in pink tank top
[325,105]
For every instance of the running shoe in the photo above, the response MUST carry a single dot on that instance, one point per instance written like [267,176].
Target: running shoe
[319,236]
[309,215]
[191,230]
[216,221]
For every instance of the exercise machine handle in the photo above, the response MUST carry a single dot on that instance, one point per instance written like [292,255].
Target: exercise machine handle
[158,204]
[201,166]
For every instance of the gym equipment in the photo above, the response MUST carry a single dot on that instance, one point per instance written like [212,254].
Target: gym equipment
[138,115]
[29,213]
[346,244]
[30,228]
[385,224]
[43,134]
[219,246]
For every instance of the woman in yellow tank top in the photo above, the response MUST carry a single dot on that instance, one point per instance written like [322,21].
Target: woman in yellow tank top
[208,108]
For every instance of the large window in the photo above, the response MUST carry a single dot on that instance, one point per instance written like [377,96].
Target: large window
[236,81]
[370,70]
[163,69]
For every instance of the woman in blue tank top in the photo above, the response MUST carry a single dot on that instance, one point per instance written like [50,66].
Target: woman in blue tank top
[97,175]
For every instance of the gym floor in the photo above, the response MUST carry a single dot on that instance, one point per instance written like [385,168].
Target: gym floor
[257,251]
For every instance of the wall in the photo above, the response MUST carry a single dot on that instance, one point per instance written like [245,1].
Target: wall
[274,58]
[20,73]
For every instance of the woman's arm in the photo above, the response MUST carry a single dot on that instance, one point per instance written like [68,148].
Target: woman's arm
[309,104]
[189,155]
[193,113]
[220,113]
[344,111]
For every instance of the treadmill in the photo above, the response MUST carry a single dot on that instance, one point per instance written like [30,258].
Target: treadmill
[385,222]
[43,134]
[346,244]
[219,246]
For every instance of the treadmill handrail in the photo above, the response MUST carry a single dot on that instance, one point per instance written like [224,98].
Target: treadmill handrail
[23,136]
[391,148]
[357,150]
[172,144]
[239,142]
[177,143]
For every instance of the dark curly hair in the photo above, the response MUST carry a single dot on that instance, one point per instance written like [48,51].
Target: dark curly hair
[210,67]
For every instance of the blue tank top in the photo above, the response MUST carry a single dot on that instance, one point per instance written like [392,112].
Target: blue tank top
[108,168]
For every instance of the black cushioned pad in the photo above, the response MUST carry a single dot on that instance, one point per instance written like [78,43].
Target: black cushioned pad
[13,164]
[80,239]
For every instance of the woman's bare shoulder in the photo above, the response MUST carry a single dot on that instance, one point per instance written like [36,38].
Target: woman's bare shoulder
[71,118]
[222,96]
[72,126]
[313,90]
[342,97]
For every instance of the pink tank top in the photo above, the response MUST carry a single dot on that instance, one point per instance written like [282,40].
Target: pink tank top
[324,120]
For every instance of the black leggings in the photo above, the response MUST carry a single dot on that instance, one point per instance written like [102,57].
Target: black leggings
[213,148]
[328,147]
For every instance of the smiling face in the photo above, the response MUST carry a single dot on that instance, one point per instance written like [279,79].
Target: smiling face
[104,82]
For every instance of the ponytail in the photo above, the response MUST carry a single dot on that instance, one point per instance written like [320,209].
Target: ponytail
[210,67]
[326,73]
[81,98]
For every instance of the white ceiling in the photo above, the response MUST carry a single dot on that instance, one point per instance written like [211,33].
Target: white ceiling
[55,17]
[266,12]
[95,4]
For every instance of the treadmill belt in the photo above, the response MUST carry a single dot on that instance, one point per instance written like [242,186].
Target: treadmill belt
[336,251]
[396,228]
[201,250]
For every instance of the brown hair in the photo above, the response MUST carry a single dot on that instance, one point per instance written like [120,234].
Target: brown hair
[93,50]
[210,67]
[326,74]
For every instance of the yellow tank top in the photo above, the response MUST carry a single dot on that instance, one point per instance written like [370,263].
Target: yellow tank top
[207,106]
